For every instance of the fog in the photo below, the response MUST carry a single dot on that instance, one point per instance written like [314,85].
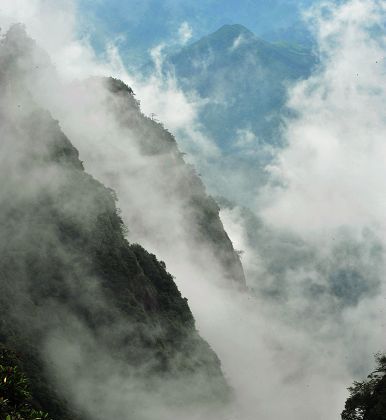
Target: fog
[287,349]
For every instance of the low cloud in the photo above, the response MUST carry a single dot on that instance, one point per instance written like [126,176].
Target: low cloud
[313,247]
[240,40]
[185,32]
[331,173]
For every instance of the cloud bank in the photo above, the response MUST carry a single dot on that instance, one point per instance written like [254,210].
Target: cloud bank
[314,244]
[331,173]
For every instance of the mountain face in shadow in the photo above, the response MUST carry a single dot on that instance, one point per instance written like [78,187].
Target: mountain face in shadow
[97,324]
[180,189]
[244,79]
[140,26]
[241,83]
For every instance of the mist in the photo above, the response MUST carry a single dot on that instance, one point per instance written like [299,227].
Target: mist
[314,240]
[291,346]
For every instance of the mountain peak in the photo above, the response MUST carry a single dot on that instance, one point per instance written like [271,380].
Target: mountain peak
[236,28]
[226,38]
[232,32]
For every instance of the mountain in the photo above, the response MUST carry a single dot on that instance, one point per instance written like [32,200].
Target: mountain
[189,215]
[244,79]
[162,199]
[241,83]
[297,33]
[139,26]
[96,323]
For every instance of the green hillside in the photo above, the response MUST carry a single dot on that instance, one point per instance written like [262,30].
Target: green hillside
[79,305]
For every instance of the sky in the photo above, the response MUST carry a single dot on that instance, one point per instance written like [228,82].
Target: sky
[140,25]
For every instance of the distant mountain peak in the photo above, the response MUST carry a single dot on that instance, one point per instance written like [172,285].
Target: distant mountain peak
[236,29]
[226,38]
[233,32]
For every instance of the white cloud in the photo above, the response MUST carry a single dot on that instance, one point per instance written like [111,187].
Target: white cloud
[240,40]
[185,32]
[333,171]
[329,179]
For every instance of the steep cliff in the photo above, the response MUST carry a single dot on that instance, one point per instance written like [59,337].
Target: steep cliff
[200,221]
[162,198]
[90,316]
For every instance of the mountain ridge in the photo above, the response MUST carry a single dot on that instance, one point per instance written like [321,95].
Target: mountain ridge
[79,302]
[242,84]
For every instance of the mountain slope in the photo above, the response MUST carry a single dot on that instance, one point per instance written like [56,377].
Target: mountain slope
[176,185]
[99,325]
[162,199]
[244,78]
[140,26]
[240,83]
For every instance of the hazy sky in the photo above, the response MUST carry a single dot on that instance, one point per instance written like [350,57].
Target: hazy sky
[150,22]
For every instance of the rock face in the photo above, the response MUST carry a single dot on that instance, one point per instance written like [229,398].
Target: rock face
[200,224]
[98,324]
[163,201]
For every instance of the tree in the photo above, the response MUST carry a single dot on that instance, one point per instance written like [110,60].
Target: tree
[15,396]
[367,400]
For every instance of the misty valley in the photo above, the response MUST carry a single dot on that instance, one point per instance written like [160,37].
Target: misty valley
[192,210]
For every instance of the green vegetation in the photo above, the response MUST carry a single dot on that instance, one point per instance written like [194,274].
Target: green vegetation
[73,258]
[69,275]
[367,399]
[16,402]
[179,180]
